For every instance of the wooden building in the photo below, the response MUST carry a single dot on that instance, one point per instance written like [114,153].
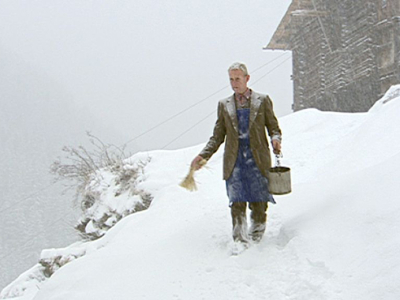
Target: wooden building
[346,53]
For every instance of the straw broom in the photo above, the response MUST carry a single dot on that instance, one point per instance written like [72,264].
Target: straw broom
[188,182]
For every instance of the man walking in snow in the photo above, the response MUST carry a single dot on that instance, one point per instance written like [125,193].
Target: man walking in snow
[242,119]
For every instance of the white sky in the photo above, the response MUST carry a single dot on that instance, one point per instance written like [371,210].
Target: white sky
[137,63]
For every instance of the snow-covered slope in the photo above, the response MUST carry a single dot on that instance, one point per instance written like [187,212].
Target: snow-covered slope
[38,117]
[334,237]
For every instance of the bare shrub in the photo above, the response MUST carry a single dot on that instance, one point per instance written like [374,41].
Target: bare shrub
[80,166]
[84,170]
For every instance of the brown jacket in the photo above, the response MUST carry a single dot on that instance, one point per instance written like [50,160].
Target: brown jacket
[226,129]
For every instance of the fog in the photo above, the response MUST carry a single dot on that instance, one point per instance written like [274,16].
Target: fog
[122,70]
[133,64]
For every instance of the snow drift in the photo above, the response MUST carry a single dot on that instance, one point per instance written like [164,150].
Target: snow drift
[334,237]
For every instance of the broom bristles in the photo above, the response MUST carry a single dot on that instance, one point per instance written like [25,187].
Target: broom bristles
[188,182]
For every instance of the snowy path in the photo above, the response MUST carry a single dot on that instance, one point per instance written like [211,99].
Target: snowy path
[181,249]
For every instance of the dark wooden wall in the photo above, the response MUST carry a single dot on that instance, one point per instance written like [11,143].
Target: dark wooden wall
[347,57]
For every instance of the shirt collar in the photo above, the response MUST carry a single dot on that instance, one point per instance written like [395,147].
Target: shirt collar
[246,94]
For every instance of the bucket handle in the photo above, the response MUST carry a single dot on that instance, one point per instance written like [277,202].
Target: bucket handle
[278,158]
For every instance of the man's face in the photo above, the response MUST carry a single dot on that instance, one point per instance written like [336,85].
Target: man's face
[238,81]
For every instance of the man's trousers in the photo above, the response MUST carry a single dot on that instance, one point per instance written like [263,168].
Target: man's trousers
[258,217]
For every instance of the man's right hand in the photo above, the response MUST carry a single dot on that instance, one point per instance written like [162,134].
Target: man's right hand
[196,163]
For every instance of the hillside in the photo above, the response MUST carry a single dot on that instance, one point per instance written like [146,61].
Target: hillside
[334,237]
[38,117]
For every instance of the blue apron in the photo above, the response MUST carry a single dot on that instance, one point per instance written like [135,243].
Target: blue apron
[246,183]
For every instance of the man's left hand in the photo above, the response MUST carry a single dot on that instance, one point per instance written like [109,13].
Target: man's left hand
[276,145]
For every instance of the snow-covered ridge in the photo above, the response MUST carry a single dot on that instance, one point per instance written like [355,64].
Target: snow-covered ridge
[334,237]
[110,195]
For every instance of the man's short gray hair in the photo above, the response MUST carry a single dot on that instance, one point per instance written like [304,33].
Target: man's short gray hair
[239,66]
